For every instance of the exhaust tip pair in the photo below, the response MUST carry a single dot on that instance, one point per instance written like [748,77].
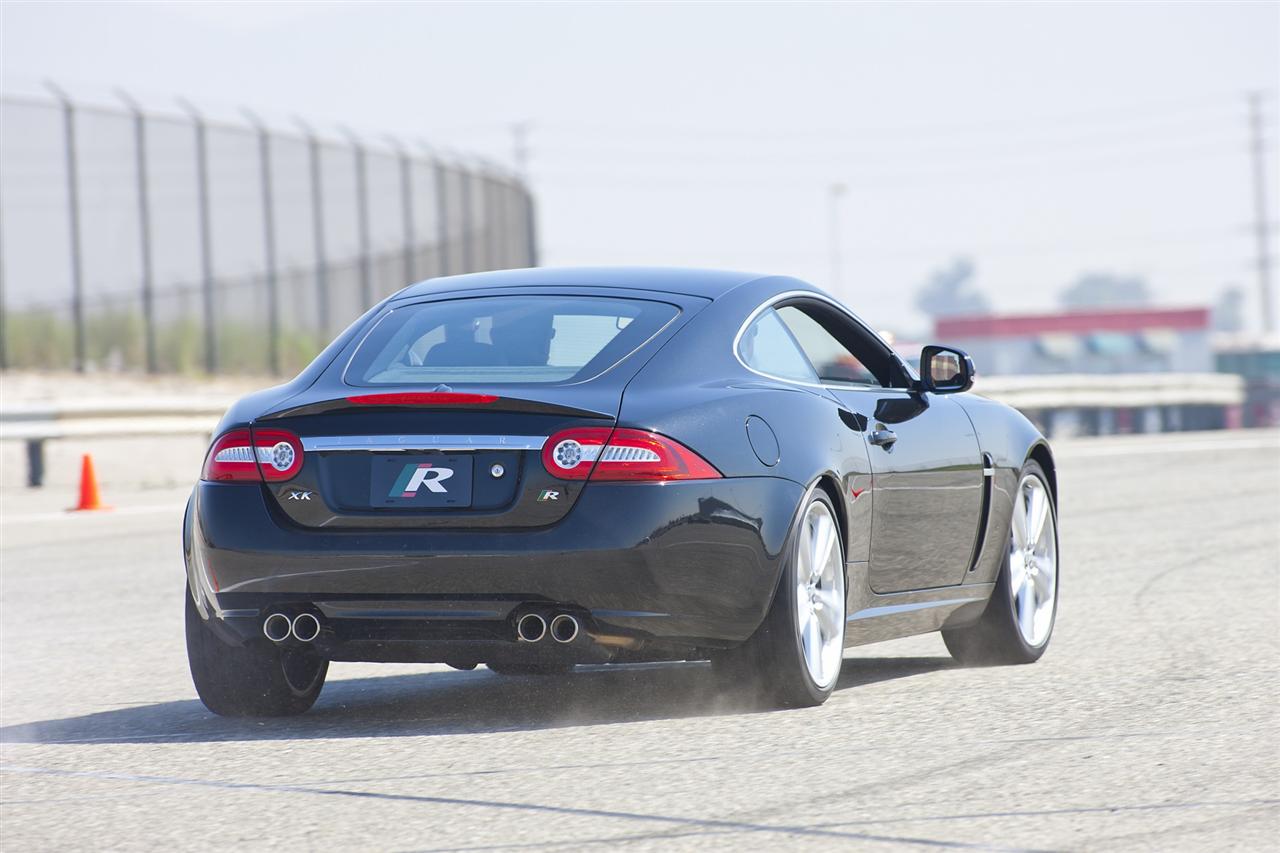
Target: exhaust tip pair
[533,628]
[304,627]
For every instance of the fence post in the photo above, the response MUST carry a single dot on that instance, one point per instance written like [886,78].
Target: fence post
[206,237]
[480,209]
[442,216]
[468,235]
[268,242]
[510,253]
[73,221]
[406,209]
[530,224]
[489,217]
[317,224]
[144,230]
[502,209]
[362,217]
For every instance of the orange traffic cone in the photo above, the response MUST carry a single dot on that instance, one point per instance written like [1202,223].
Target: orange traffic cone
[89,498]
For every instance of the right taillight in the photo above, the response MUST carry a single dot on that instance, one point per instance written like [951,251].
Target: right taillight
[622,455]
[265,454]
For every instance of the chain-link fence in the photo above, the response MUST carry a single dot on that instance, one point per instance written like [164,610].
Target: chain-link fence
[136,240]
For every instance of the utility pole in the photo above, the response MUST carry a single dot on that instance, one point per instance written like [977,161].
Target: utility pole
[520,147]
[520,157]
[835,195]
[1261,224]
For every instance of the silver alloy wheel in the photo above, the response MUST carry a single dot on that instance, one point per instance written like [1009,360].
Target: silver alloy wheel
[820,594]
[1033,561]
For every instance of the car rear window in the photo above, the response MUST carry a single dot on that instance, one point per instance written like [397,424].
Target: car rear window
[505,339]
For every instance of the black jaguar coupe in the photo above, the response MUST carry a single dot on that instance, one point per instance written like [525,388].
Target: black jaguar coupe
[534,469]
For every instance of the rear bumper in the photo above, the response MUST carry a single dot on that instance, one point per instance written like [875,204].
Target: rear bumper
[694,563]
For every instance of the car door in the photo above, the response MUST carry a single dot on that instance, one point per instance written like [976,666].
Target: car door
[927,472]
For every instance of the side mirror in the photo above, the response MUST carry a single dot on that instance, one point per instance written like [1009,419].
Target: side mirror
[944,370]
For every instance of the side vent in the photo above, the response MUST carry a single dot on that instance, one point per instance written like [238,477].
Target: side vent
[988,483]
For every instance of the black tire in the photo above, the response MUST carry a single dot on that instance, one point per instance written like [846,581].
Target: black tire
[531,668]
[258,679]
[771,664]
[995,640]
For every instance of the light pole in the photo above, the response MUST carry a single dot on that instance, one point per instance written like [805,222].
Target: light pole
[835,195]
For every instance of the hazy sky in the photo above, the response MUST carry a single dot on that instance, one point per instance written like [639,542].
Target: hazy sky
[1040,140]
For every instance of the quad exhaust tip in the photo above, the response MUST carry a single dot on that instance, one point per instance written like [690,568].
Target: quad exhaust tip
[534,627]
[277,627]
[531,628]
[564,628]
[306,627]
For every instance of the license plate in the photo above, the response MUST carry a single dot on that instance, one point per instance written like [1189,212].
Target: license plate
[434,480]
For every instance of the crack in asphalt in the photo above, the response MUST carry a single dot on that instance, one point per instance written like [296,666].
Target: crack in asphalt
[653,836]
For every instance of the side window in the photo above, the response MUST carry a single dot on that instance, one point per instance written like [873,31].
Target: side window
[839,350]
[768,346]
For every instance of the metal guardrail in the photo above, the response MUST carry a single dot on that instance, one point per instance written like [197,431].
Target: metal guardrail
[41,415]
[36,423]
[1118,391]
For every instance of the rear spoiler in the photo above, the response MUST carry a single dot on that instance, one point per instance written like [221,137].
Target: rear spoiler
[433,400]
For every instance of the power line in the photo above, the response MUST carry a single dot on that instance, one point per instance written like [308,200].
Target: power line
[728,158]
[1215,107]
[1169,242]
[920,176]
[864,148]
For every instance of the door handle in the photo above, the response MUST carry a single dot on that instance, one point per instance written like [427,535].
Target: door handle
[882,437]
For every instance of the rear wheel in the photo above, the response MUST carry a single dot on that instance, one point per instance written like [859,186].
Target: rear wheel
[794,658]
[258,679]
[1018,621]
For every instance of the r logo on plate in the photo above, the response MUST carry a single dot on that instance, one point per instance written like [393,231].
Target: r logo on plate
[416,475]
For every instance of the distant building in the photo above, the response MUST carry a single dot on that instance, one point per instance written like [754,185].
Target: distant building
[1092,372]
[1144,340]
[1257,359]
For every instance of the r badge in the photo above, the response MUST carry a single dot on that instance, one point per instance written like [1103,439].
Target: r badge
[548,495]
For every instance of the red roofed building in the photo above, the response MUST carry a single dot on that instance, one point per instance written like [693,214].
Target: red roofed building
[1129,340]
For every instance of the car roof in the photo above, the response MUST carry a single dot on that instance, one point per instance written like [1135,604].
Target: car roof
[708,284]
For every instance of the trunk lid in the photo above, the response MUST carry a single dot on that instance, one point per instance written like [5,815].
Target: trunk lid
[399,466]
[382,453]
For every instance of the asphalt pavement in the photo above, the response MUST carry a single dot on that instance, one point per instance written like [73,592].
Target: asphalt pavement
[1152,722]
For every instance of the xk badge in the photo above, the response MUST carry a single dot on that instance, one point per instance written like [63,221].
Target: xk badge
[295,495]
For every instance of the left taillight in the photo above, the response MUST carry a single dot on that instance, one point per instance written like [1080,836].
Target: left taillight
[257,455]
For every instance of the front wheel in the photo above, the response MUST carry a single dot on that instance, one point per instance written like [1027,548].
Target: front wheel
[1018,622]
[258,679]
[795,656]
